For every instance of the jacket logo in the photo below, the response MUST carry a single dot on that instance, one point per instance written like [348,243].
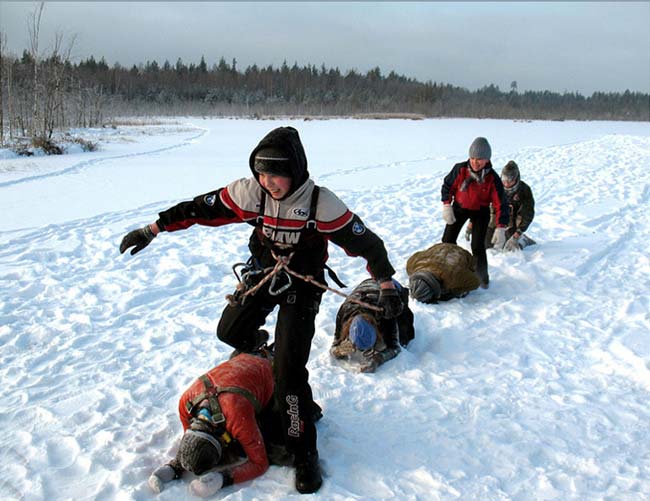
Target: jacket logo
[358,228]
[300,212]
[282,237]
[210,199]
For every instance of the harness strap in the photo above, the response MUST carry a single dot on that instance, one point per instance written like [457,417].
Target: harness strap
[259,221]
[212,392]
[311,220]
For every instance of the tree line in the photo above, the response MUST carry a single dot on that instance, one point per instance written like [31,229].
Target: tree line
[42,93]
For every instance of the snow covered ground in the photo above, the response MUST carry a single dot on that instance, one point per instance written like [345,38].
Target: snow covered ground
[537,388]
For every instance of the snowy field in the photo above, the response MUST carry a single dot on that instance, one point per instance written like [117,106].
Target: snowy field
[537,388]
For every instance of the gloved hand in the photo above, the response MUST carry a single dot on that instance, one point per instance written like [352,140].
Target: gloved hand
[160,477]
[499,238]
[513,243]
[468,231]
[390,301]
[206,485]
[138,239]
[448,214]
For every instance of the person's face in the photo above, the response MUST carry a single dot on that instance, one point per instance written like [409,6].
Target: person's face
[478,163]
[509,182]
[277,186]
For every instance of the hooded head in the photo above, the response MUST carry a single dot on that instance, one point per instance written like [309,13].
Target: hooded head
[424,287]
[199,450]
[510,177]
[280,152]
[362,333]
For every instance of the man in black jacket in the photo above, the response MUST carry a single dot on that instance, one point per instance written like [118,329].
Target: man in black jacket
[293,219]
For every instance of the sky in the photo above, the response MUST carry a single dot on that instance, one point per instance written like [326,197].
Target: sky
[559,46]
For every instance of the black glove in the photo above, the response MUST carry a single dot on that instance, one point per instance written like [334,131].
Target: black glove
[138,239]
[390,301]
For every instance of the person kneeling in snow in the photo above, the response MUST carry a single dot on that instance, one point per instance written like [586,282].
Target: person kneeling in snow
[219,413]
[519,198]
[441,272]
[364,336]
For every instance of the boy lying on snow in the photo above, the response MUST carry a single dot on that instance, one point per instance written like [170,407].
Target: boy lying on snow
[225,414]
[441,272]
[363,336]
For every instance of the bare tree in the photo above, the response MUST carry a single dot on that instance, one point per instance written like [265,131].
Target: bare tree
[34,27]
[3,43]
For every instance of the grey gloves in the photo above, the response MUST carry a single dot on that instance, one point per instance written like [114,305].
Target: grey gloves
[206,485]
[160,477]
[138,239]
[390,301]
[448,214]
[513,244]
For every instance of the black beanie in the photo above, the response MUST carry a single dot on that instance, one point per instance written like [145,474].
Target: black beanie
[199,451]
[424,287]
[273,161]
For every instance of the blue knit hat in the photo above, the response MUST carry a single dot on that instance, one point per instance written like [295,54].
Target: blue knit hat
[362,333]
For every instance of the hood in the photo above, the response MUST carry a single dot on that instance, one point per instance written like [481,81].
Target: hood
[288,140]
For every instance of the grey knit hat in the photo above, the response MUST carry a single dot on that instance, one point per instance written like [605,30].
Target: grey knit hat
[424,287]
[480,148]
[199,451]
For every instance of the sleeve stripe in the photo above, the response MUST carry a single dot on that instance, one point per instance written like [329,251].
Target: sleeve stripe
[336,224]
[244,215]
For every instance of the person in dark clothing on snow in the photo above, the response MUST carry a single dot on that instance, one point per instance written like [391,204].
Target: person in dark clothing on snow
[363,336]
[220,411]
[293,220]
[521,205]
[440,273]
[467,192]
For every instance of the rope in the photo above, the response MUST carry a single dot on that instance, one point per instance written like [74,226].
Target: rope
[282,264]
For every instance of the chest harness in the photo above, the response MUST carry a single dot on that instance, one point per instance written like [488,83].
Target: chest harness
[253,275]
[213,415]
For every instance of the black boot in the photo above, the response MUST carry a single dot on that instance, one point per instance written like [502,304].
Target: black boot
[308,475]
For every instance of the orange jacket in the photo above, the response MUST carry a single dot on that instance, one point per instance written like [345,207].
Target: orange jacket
[255,375]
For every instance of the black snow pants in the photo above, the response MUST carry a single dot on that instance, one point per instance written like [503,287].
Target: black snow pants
[293,334]
[480,220]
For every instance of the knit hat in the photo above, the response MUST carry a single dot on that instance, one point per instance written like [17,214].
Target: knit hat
[273,161]
[362,333]
[424,287]
[510,176]
[480,148]
[199,451]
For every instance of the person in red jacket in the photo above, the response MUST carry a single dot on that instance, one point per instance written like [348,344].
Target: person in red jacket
[467,192]
[219,413]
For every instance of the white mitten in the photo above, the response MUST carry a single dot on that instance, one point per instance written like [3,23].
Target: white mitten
[448,214]
[499,238]
[160,477]
[206,485]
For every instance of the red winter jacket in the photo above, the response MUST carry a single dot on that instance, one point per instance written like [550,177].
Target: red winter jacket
[255,375]
[476,195]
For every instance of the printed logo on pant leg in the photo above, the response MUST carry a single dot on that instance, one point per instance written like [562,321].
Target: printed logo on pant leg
[294,416]
[291,299]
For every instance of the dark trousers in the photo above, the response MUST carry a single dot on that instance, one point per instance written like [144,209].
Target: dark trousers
[293,334]
[480,220]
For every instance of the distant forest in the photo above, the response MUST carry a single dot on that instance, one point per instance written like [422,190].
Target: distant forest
[42,94]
